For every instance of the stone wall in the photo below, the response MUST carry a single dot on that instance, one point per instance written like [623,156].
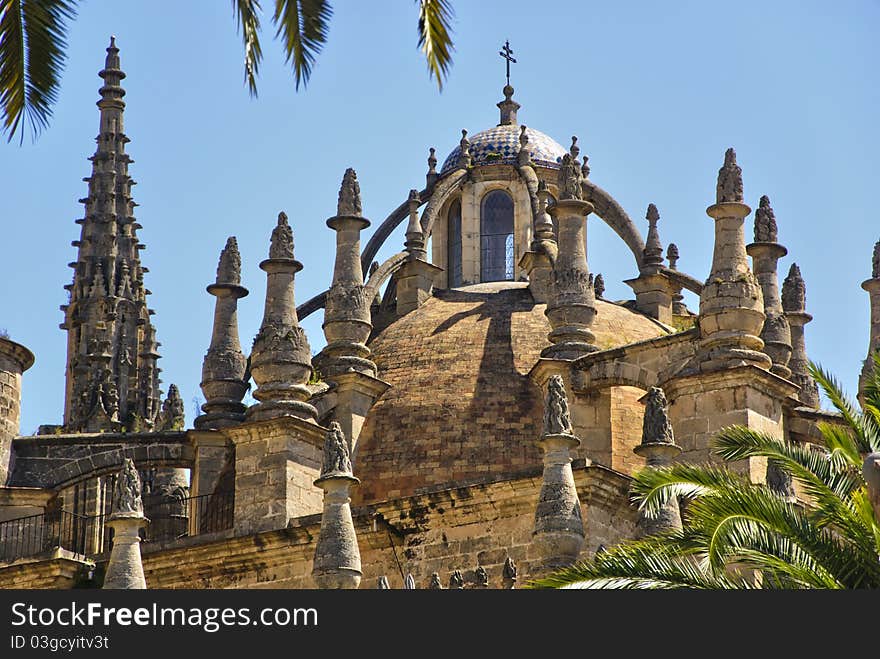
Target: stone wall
[14,360]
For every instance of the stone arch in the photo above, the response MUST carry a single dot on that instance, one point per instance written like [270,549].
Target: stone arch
[617,373]
[612,213]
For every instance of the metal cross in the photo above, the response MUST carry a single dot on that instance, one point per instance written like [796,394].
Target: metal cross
[506,53]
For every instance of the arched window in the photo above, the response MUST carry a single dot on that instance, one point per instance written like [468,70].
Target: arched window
[496,237]
[453,244]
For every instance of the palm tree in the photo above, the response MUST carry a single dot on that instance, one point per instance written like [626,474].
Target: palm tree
[33,44]
[738,534]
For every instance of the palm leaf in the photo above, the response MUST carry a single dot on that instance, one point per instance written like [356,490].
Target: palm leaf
[304,25]
[32,44]
[247,20]
[865,429]
[652,488]
[435,42]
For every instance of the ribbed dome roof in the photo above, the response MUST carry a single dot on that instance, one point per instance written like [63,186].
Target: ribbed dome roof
[461,405]
[501,145]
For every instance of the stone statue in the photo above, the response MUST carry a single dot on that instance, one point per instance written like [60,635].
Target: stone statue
[229,268]
[569,179]
[435,582]
[730,181]
[456,581]
[172,416]
[432,161]
[765,222]
[281,242]
[656,427]
[672,255]
[336,455]
[127,491]
[794,291]
[509,571]
[875,270]
[383,583]
[349,195]
[409,583]
[557,420]
[599,285]
[482,577]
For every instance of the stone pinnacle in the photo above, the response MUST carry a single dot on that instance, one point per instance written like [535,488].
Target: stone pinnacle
[349,195]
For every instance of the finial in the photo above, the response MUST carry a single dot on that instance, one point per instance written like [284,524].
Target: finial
[373,267]
[112,41]
[409,583]
[574,149]
[794,291]
[98,289]
[172,416]
[127,491]
[432,160]
[508,92]
[229,268]
[656,427]
[506,52]
[875,269]
[599,285]
[281,243]
[336,456]
[349,195]
[523,137]
[765,222]
[435,582]
[414,197]
[569,179]
[730,183]
[672,255]
[524,157]
[557,420]
[653,252]
[585,168]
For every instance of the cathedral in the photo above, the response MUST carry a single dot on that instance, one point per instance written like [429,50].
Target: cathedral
[473,419]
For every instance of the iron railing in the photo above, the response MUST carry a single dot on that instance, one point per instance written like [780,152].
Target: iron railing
[170,520]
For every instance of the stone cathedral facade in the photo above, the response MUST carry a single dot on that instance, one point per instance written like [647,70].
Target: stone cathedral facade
[472,420]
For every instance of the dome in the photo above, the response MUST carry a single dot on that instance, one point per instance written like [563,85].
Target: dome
[501,145]
[461,405]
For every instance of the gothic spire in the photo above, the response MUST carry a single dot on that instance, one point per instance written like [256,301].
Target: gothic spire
[653,252]
[107,304]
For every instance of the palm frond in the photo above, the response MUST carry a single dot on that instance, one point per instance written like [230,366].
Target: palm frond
[652,488]
[247,19]
[864,428]
[32,54]
[304,25]
[435,40]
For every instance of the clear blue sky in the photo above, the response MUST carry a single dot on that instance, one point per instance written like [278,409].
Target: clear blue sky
[655,92]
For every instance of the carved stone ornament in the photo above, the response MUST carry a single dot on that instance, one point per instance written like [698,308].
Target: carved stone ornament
[435,582]
[509,571]
[281,243]
[730,182]
[599,285]
[280,340]
[127,491]
[482,576]
[456,581]
[571,280]
[229,268]
[875,269]
[383,583]
[557,420]
[172,414]
[672,255]
[409,583]
[656,427]
[337,460]
[765,222]
[349,195]
[346,301]
[569,179]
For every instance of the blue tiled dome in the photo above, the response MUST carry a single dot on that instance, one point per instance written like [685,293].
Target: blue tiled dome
[501,145]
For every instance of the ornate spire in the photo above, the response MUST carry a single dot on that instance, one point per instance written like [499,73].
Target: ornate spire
[108,267]
[794,298]
[415,239]
[872,286]
[224,366]
[765,222]
[349,195]
[280,361]
[125,570]
[653,252]
[730,182]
